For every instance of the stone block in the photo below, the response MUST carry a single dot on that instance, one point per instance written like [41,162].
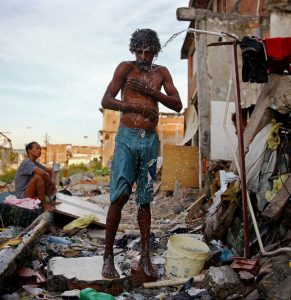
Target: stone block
[222,282]
[79,273]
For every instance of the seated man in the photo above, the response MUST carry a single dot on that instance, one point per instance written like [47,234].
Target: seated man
[32,179]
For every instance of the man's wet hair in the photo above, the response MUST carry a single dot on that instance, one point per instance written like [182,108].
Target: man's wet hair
[143,38]
[29,146]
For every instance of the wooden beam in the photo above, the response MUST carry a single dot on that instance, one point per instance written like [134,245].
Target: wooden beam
[191,14]
[185,13]
[275,209]
[9,256]
[172,282]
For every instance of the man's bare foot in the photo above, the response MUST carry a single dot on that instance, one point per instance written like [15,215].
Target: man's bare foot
[146,264]
[108,269]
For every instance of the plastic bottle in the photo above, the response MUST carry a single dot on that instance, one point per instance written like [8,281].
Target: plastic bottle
[91,294]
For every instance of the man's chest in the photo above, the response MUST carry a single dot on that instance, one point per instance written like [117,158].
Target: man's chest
[152,78]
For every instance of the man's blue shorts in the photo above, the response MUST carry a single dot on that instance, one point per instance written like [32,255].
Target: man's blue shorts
[135,160]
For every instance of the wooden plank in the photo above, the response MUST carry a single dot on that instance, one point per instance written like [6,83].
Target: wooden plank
[185,13]
[9,257]
[180,163]
[78,207]
[172,282]
[193,209]
[276,207]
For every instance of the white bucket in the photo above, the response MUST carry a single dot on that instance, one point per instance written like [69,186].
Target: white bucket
[185,256]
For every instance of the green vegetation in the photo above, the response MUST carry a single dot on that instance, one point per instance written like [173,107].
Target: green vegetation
[8,176]
[95,168]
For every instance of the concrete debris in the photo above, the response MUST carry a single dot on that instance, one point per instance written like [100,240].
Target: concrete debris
[74,261]
[223,282]
[81,272]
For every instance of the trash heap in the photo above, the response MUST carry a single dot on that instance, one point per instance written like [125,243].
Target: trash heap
[197,243]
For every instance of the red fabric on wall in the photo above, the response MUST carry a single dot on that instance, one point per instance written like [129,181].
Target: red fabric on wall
[278,54]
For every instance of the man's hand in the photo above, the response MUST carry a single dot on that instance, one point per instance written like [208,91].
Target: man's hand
[150,112]
[140,86]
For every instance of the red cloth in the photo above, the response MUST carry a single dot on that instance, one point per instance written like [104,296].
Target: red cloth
[278,54]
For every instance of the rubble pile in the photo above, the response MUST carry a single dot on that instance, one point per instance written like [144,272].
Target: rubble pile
[6,187]
[65,254]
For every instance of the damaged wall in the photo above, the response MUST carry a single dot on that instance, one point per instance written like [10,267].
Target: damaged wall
[209,68]
[4,158]
[213,82]
[280,23]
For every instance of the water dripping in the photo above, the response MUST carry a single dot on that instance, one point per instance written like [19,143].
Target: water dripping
[172,37]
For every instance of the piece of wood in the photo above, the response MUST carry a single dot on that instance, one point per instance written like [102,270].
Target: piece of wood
[180,164]
[191,121]
[78,207]
[157,187]
[185,13]
[197,201]
[10,256]
[171,282]
[193,209]
[276,207]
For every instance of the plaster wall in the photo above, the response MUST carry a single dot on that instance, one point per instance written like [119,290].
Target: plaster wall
[214,75]
[219,63]
[280,24]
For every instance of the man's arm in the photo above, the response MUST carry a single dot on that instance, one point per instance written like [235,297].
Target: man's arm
[171,99]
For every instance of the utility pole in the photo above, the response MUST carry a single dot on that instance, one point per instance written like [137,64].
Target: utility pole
[46,139]
[46,142]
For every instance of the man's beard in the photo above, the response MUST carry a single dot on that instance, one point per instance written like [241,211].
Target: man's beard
[144,65]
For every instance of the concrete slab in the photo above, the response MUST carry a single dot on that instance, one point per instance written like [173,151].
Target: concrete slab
[81,272]
[74,206]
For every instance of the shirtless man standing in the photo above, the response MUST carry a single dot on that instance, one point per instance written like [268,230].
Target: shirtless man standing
[136,147]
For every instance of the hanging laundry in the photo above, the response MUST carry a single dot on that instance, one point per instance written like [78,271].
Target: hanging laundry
[278,55]
[254,67]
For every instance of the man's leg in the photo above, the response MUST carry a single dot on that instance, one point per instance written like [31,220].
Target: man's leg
[144,223]
[112,223]
[37,188]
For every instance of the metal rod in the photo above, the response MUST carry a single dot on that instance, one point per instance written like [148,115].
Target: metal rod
[205,31]
[239,129]
[232,35]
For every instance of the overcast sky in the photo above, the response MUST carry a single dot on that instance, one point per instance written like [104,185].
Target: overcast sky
[58,56]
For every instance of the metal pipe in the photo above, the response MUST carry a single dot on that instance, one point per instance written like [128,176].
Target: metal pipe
[194,30]
[239,129]
[205,31]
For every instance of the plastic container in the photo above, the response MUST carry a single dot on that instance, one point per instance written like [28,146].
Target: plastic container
[185,256]
[91,294]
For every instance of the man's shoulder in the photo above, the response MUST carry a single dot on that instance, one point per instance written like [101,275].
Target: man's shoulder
[124,68]
[126,64]
[160,68]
